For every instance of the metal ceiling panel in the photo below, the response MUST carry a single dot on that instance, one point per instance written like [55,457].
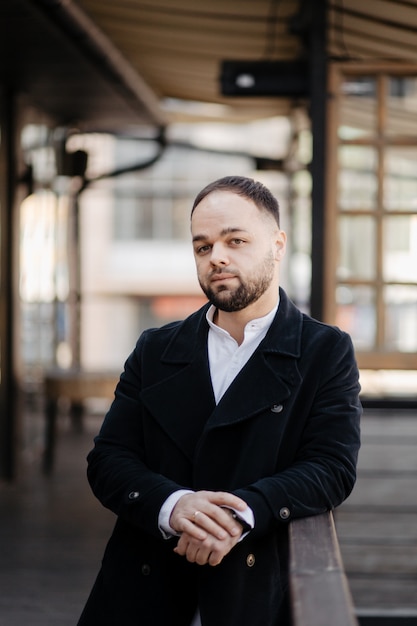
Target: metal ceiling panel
[106,65]
[373,31]
[178,46]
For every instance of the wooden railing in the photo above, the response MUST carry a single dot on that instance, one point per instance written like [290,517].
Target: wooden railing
[77,386]
[320,594]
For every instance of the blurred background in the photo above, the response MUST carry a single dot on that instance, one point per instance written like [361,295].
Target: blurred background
[113,115]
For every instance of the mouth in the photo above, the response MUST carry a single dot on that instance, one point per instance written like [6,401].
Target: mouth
[221,277]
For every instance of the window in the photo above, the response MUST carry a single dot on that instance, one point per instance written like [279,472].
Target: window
[371,263]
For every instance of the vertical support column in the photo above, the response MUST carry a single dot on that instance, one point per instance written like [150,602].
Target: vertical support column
[76,280]
[8,402]
[318,103]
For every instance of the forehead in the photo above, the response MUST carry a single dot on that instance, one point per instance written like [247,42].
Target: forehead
[226,208]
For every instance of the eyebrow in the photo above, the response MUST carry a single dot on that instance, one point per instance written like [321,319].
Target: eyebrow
[225,231]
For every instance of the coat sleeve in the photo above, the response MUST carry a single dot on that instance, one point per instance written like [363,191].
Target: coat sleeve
[322,471]
[117,470]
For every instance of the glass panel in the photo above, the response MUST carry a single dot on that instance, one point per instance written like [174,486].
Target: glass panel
[37,338]
[402,105]
[181,218]
[400,181]
[37,247]
[400,249]
[357,258]
[358,107]
[358,180]
[356,314]
[132,216]
[401,318]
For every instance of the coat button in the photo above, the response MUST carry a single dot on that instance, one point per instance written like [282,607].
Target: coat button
[276,408]
[133,495]
[250,560]
[284,513]
[146,569]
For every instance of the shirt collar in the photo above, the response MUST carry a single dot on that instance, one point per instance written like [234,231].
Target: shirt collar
[257,324]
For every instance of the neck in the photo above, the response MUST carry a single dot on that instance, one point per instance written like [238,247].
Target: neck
[235,321]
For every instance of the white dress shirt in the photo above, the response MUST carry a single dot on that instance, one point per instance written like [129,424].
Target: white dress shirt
[226,357]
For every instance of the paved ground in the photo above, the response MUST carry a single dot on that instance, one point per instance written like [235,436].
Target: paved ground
[52,535]
[52,530]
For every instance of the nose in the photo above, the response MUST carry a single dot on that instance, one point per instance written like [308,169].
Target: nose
[218,257]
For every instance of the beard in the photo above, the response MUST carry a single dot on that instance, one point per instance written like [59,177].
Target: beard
[248,291]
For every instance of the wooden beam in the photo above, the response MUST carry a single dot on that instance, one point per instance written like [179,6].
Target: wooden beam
[320,594]
[100,50]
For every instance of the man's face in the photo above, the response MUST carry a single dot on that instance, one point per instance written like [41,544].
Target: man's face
[237,249]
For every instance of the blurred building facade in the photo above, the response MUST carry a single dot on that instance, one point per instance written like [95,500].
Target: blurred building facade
[134,263]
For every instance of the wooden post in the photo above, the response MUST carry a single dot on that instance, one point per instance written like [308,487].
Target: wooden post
[318,104]
[8,385]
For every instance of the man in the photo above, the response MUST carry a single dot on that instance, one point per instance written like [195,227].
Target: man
[224,428]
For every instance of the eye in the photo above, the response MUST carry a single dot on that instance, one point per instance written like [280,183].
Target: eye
[202,249]
[237,241]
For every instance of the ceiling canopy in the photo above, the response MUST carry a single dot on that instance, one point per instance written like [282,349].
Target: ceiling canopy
[106,65]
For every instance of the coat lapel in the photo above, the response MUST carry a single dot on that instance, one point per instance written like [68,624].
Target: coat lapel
[270,375]
[184,380]
[266,380]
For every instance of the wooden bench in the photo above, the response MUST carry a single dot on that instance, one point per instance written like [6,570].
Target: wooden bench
[320,594]
[77,386]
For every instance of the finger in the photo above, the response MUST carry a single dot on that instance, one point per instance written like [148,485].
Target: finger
[194,530]
[194,552]
[219,523]
[197,501]
[200,557]
[225,499]
[201,552]
[222,518]
[182,545]
[215,558]
[210,524]
[186,543]
[210,551]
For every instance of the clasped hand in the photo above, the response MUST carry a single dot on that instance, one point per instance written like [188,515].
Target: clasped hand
[208,530]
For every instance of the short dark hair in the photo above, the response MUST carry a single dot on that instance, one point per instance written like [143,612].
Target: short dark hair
[245,187]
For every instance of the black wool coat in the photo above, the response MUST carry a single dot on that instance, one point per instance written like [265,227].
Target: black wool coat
[284,438]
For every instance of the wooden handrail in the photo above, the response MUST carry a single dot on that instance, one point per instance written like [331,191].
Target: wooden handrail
[320,594]
[77,385]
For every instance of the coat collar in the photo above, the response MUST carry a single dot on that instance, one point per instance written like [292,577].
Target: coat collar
[271,370]
[283,336]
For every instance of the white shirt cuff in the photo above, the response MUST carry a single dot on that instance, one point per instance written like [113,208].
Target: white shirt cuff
[165,513]
[246,516]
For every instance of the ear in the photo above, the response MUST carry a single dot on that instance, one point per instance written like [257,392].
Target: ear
[280,245]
